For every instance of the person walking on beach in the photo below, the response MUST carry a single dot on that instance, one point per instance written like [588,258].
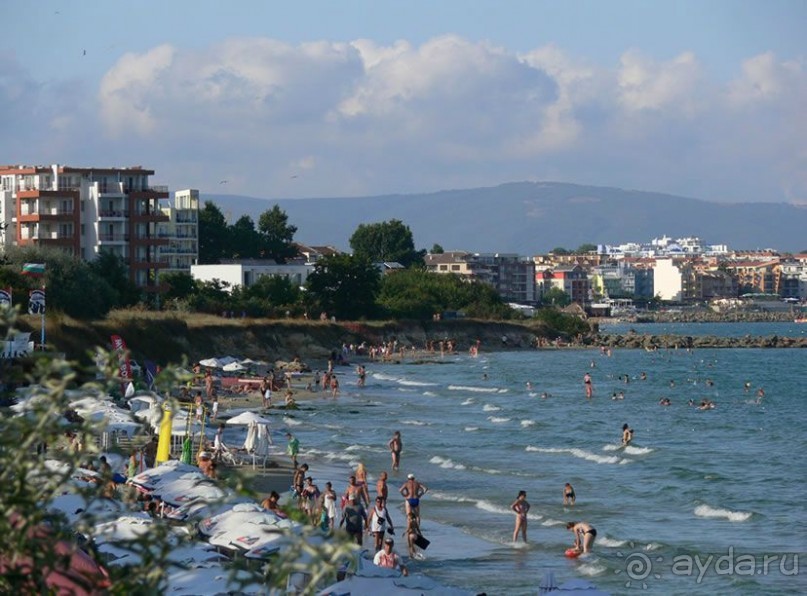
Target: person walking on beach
[292,448]
[568,495]
[412,491]
[520,507]
[311,499]
[354,490]
[354,518]
[197,401]
[361,482]
[413,533]
[214,412]
[381,489]
[380,522]
[395,445]
[584,535]
[328,505]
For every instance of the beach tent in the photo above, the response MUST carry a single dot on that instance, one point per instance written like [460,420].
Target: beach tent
[233,367]
[211,363]
[248,418]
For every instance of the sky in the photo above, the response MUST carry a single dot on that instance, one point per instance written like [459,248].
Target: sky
[325,98]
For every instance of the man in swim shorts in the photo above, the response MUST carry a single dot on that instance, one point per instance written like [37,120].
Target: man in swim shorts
[395,445]
[568,494]
[412,491]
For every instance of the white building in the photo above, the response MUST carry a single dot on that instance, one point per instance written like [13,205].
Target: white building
[246,273]
[668,280]
[181,230]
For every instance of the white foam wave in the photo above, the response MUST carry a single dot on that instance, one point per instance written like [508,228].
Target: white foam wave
[446,463]
[383,377]
[429,394]
[440,496]
[631,450]
[490,408]
[712,512]
[498,420]
[612,447]
[580,453]
[416,383]
[494,508]
[526,423]
[467,402]
[610,542]
[549,522]
[652,546]
[291,422]
[503,391]
[414,422]
[592,569]
[473,389]
[469,429]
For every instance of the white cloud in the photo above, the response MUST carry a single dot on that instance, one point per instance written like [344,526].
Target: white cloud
[340,118]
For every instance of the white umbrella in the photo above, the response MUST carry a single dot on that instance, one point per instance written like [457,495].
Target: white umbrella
[248,418]
[234,367]
[252,436]
[211,363]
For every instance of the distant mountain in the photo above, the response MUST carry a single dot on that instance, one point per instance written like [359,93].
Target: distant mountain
[534,217]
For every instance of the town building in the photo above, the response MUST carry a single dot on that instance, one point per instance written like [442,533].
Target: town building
[511,275]
[182,232]
[86,211]
[246,272]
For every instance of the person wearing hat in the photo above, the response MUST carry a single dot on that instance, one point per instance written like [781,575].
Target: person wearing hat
[354,518]
[412,491]
[388,558]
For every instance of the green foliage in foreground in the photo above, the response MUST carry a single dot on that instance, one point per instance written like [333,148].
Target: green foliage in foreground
[38,465]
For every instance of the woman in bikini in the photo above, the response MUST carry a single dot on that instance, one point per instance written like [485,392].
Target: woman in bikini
[584,535]
[361,482]
[520,507]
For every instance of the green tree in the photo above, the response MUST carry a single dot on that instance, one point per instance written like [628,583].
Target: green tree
[556,297]
[559,250]
[437,249]
[387,241]
[277,291]
[213,234]
[245,241]
[278,235]
[113,269]
[587,247]
[178,285]
[344,286]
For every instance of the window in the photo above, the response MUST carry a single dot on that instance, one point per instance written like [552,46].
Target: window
[455,267]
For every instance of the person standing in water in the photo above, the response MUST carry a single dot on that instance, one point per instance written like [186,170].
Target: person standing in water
[568,495]
[584,535]
[627,434]
[395,445]
[588,385]
[520,507]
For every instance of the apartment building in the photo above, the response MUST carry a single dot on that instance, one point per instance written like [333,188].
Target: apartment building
[512,276]
[181,230]
[85,211]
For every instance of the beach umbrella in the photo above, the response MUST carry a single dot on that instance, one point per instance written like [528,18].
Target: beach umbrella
[234,367]
[164,444]
[248,418]
[187,451]
[211,363]
[252,435]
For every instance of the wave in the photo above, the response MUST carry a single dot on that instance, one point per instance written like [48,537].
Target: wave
[490,408]
[474,389]
[526,423]
[494,508]
[467,402]
[446,463]
[711,512]
[498,420]
[470,428]
[610,542]
[581,453]
[383,377]
[631,450]
[549,522]
[593,568]
[291,421]
[503,391]
[414,422]
[416,383]
[429,394]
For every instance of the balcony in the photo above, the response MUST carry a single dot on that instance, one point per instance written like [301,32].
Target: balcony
[112,214]
[113,238]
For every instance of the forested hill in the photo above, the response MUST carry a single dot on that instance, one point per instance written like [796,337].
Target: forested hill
[534,217]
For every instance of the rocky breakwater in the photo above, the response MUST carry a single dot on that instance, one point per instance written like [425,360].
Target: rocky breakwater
[650,342]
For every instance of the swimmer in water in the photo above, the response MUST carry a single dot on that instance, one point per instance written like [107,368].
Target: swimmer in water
[627,434]
[568,495]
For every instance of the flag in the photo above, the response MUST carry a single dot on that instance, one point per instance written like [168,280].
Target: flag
[124,367]
[33,269]
[5,297]
[151,373]
[36,302]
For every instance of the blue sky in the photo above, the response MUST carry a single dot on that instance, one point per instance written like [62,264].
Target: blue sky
[327,98]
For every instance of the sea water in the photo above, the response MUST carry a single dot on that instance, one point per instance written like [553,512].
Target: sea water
[701,502]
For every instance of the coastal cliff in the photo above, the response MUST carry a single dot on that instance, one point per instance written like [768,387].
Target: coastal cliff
[166,338]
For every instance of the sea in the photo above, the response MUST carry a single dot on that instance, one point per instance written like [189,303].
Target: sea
[701,502]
